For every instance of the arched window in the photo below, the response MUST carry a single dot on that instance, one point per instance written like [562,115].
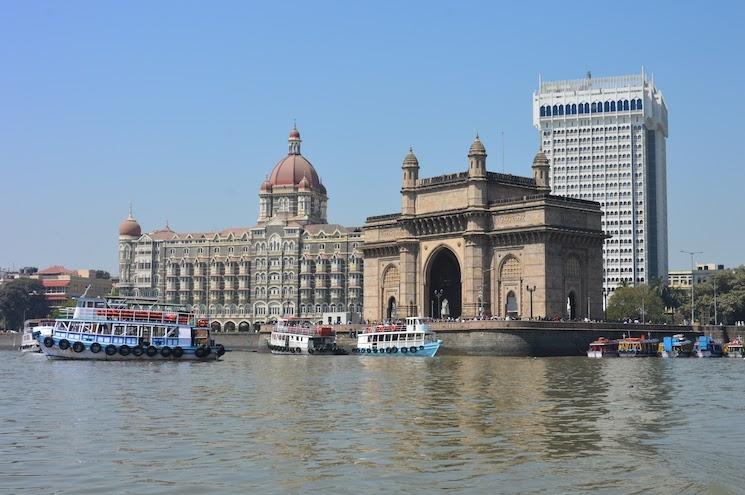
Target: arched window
[561,109]
[600,106]
[639,104]
[633,104]
[555,110]
[543,111]
[625,104]
[581,108]
[606,107]
[574,109]
[594,107]
[619,105]
[613,106]
[587,108]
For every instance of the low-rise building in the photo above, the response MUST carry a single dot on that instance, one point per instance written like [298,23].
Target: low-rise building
[702,273]
[61,284]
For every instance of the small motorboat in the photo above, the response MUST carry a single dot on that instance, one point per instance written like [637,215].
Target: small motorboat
[733,348]
[706,347]
[603,348]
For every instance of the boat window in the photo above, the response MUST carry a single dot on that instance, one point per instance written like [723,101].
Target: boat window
[118,329]
[395,337]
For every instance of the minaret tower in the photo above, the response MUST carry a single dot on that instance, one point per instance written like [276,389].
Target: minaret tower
[410,168]
[477,173]
[540,171]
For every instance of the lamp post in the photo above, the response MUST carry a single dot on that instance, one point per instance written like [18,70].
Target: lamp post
[692,253]
[438,294]
[531,290]
[481,301]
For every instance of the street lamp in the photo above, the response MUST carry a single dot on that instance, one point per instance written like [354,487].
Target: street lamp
[692,253]
[438,294]
[531,290]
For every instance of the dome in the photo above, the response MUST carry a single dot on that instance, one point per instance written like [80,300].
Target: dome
[293,168]
[130,227]
[477,148]
[266,186]
[411,159]
[540,159]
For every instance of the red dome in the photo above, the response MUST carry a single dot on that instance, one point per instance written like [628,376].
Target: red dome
[291,170]
[266,186]
[130,227]
[294,133]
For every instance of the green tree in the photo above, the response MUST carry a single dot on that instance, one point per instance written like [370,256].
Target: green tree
[19,298]
[642,303]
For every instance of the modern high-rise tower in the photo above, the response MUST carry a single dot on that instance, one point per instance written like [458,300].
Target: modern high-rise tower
[605,140]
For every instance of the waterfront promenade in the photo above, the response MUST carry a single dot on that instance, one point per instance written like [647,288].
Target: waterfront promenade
[489,337]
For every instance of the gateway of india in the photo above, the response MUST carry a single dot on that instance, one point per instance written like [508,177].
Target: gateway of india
[291,263]
[479,243]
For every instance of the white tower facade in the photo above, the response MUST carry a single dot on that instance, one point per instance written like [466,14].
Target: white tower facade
[605,139]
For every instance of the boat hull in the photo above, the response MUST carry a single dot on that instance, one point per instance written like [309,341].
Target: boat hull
[601,354]
[300,351]
[55,352]
[676,354]
[428,349]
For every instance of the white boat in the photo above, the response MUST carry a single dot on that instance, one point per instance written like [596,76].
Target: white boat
[31,330]
[299,336]
[603,348]
[125,330]
[412,338]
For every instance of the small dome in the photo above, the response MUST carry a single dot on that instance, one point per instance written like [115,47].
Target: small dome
[540,159]
[477,148]
[294,133]
[410,159]
[130,227]
[266,186]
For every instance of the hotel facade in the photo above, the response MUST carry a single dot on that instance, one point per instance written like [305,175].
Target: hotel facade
[291,263]
[605,139]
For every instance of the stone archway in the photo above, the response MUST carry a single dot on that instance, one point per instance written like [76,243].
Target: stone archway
[510,307]
[444,282]
[229,326]
[216,326]
[244,326]
[390,311]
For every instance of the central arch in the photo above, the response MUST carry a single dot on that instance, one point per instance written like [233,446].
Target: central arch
[390,312]
[443,276]
[572,306]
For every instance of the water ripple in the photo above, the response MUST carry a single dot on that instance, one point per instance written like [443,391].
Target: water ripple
[280,424]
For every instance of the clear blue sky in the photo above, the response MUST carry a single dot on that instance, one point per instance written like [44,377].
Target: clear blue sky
[184,107]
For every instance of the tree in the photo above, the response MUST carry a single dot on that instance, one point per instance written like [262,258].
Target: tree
[642,303]
[19,298]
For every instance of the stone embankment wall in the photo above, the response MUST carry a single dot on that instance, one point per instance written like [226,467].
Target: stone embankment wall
[500,338]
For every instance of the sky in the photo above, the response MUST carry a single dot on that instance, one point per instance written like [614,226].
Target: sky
[183,108]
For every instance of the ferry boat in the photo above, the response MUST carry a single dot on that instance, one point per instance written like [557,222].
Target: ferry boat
[733,348]
[638,347]
[31,329]
[300,336]
[603,348]
[121,329]
[413,338]
[675,346]
[706,347]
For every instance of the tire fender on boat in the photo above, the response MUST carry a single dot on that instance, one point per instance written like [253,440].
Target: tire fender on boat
[178,351]
[199,352]
[395,350]
[151,351]
[412,349]
[165,351]
[124,350]
[95,348]
[78,346]
[64,344]
[404,349]
[110,350]
[138,351]
[369,350]
[220,350]
[298,350]
[310,350]
[48,342]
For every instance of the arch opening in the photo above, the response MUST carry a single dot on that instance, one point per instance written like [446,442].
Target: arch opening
[390,311]
[572,306]
[444,291]
[510,306]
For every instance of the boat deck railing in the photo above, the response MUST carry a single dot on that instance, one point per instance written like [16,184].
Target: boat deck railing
[141,315]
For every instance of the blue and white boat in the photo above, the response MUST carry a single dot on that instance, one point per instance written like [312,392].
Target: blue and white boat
[706,347]
[120,329]
[412,338]
[676,346]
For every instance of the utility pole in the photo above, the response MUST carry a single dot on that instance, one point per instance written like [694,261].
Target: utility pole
[531,289]
[693,278]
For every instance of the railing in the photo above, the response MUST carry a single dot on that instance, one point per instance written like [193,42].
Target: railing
[138,315]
